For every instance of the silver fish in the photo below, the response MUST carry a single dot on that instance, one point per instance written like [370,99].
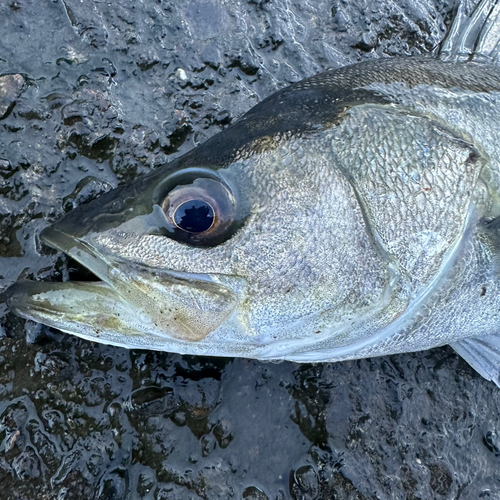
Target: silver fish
[353,214]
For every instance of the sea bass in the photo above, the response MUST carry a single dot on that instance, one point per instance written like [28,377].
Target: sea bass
[353,214]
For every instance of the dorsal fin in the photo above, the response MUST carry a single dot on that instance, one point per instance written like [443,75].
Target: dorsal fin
[474,36]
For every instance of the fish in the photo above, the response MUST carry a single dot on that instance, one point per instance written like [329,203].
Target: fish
[353,214]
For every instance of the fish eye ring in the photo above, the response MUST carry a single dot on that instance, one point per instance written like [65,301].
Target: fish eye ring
[200,211]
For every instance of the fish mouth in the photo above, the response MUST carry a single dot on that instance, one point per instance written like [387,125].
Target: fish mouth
[132,306]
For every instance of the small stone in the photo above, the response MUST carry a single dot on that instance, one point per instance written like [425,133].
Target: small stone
[11,87]
[207,445]
[34,331]
[492,442]
[304,484]
[181,74]
[6,169]
[4,466]
[254,493]
[222,433]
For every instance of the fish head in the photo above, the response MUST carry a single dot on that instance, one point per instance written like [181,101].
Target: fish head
[259,256]
[322,225]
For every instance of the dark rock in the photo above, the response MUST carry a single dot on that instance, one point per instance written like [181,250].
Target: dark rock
[441,479]
[153,401]
[146,483]
[114,486]
[26,465]
[86,190]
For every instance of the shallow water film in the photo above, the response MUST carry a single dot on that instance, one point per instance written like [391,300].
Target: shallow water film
[111,90]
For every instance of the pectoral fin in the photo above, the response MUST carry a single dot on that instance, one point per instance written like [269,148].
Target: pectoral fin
[483,354]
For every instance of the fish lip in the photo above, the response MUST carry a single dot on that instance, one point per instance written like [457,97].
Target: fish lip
[64,242]
[18,296]
[57,239]
[77,249]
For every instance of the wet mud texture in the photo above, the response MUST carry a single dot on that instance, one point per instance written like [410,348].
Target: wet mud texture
[111,90]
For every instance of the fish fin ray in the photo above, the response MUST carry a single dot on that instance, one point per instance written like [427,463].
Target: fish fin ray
[483,354]
[474,36]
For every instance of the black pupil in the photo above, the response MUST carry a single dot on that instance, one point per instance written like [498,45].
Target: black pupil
[194,216]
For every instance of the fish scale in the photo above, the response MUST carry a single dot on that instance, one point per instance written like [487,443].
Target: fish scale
[417,236]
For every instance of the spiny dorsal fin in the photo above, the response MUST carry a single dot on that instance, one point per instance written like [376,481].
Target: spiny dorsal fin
[475,36]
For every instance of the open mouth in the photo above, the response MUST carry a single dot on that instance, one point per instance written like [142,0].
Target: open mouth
[87,309]
[132,306]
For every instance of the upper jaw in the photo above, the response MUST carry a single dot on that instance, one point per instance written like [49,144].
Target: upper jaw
[132,300]
[78,249]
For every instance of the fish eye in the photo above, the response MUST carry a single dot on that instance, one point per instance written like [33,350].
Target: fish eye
[199,211]
[194,216]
